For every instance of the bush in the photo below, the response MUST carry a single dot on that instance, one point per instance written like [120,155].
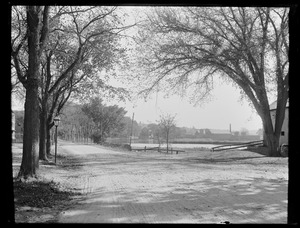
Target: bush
[117,145]
[97,137]
[127,147]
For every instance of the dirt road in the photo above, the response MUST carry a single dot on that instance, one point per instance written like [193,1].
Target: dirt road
[195,187]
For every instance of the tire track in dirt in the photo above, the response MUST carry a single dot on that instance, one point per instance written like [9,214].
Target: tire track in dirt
[127,212]
[87,187]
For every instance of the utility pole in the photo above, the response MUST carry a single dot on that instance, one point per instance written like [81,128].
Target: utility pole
[131,129]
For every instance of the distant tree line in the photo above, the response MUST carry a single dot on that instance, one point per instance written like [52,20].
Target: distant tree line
[153,133]
[77,126]
[94,122]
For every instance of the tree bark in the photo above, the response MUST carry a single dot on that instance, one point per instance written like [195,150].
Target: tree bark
[30,158]
[271,139]
[43,130]
[271,132]
[37,32]
[48,140]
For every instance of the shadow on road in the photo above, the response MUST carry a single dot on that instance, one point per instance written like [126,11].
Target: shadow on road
[252,201]
[153,188]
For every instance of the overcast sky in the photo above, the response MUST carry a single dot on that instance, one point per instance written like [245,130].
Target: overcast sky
[223,109]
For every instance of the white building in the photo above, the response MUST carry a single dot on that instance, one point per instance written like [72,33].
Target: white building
[284,135]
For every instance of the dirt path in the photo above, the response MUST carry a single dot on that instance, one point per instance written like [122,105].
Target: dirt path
[203,187]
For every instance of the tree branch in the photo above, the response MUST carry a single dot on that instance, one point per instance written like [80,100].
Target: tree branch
[45,27]
[68,70]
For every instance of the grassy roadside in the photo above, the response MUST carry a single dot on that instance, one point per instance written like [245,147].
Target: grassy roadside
[41,199]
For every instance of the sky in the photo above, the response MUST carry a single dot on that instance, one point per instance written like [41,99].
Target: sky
[223,109]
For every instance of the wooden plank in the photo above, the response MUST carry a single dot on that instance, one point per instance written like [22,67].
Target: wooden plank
[151,148]
[230,147]
[235,144]
[159,149]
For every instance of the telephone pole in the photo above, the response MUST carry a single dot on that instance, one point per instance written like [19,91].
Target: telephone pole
[131,129]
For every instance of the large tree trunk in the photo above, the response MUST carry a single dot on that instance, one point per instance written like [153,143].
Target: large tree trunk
[30,158]
[48,140]
[271,140]
[36,38]
[43,131]
[271,132]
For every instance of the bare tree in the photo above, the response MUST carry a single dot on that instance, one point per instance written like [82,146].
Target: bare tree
[167,123]
[184,48]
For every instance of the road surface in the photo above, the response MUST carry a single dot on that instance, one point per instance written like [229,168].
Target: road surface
[195,187]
